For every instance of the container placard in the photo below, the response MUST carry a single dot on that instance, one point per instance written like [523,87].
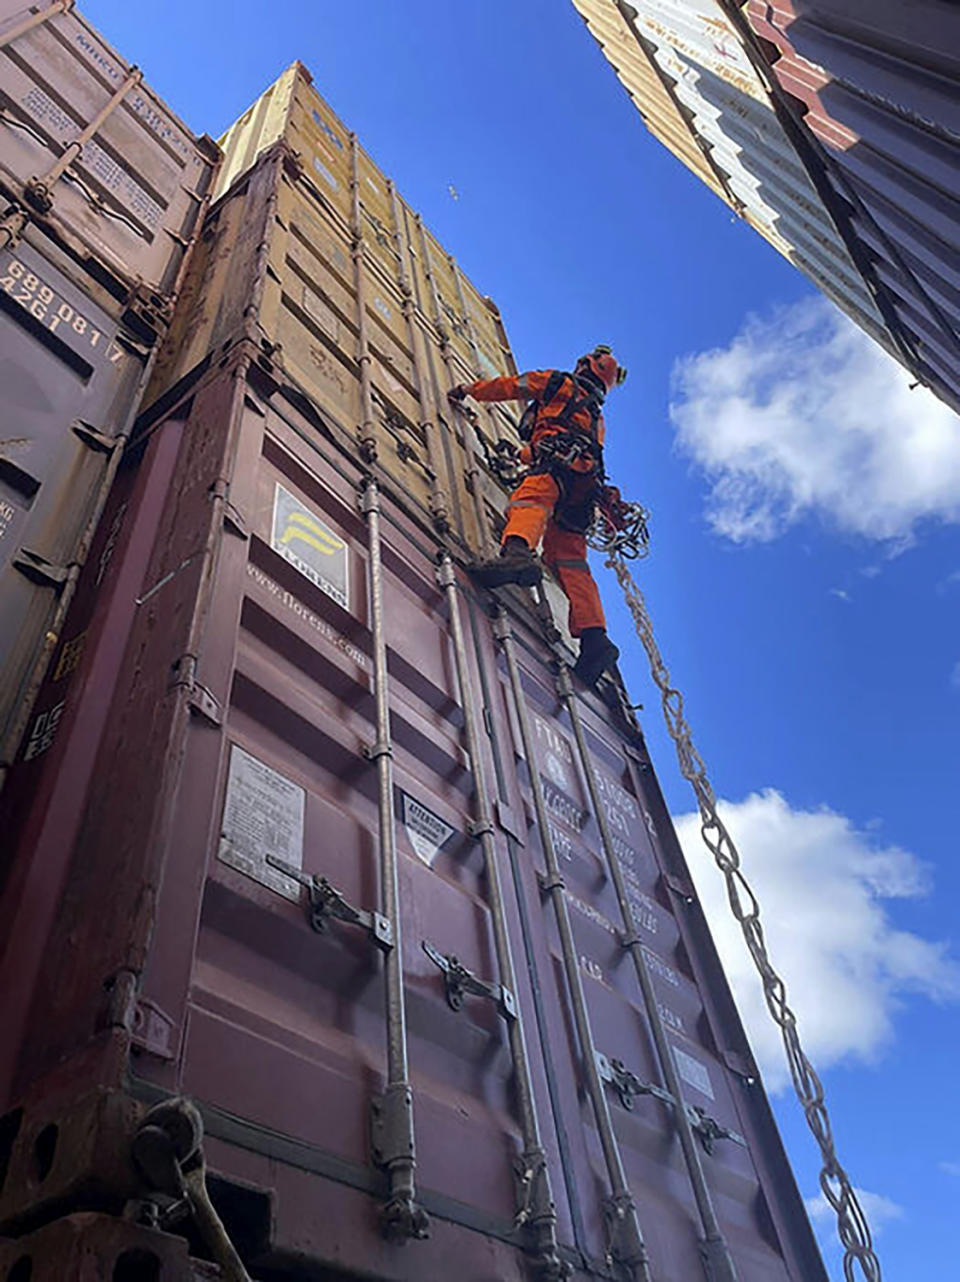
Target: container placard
[426,832]
[262,815]
[311,547]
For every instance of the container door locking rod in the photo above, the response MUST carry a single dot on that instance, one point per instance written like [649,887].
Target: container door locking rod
[628,1086]
[627,1246]
[536,1212]
[393,1132]
[717,1261]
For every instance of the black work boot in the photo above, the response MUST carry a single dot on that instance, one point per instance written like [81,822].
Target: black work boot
[515,564]
[597,655]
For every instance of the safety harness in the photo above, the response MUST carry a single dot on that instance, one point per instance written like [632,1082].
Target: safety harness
[565,445]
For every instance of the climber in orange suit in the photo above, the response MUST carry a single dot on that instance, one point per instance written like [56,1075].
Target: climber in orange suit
[563,429]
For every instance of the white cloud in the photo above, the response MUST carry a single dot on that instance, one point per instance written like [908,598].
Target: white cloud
[841,593]
[824,889]
[950,1168]
[879,1210]
[803,413]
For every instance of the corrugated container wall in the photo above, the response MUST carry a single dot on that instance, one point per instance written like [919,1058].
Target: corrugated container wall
[102,191]
[330,844]
[877,236]
[353,298]
[878,86]
[239,751]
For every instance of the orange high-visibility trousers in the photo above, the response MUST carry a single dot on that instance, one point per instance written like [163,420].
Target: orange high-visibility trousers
[530,517]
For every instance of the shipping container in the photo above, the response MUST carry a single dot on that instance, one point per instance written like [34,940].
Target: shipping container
[878,86]
[290,704]
[89,269]
[323,264]
[89,149]
[684,66]
[73,375]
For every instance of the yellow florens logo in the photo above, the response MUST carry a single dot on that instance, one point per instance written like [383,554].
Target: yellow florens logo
[301,527]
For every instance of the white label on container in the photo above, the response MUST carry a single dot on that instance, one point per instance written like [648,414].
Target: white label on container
[311,547]
[427,832]
[382,308]
[693,1072]
[325,173]
[262,815]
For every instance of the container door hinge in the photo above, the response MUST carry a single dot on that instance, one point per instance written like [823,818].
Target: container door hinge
[203,704]
[93,437]
[233,518]
[458,981]
[325,903]
[628,1087]
[38,569]
[150,1028]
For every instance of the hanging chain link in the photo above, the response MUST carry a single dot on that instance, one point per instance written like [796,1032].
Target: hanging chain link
[852,1227]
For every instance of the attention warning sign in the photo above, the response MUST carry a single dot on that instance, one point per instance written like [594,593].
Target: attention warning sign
[427,832]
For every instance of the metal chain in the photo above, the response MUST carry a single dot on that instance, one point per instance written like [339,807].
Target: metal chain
[852,1226]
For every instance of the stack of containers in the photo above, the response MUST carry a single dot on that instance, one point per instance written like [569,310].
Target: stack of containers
[326,844]
[877,87]
[102,189]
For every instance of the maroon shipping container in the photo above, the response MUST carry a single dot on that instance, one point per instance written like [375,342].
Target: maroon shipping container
[199,903]
[877,85]
[73,367]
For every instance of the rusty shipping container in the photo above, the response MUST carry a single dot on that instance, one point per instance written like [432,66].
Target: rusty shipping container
[878,87]
[406,919]
[310,251]
[89,269]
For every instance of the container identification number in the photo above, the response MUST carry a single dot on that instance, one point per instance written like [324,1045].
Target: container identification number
[26,287]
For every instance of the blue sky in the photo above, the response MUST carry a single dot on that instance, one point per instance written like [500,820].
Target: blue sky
[806,602]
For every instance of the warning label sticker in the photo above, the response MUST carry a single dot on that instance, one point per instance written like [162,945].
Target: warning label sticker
[427,832]
[262,815]
[310,545]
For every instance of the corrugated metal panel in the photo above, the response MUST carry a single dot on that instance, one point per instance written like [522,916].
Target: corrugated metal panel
[878,87]
[85,144]
[281,259]
[721,104]
[234,725]
[72,379]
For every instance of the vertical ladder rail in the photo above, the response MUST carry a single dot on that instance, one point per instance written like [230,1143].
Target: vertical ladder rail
[627,1244]
[401,1217]
[439,499]
[718,1263]
[537,1211]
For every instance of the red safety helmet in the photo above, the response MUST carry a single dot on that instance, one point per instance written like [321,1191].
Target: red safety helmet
[602,364]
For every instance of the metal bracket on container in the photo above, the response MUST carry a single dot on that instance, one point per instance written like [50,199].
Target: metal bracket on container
[628,1086]
[39,569]
[458,981]
[202,703]
[92,436]
[325,902]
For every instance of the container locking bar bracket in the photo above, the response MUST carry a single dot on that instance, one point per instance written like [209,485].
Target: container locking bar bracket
[325,903]
[628,1086]
[38,569]
[458,981]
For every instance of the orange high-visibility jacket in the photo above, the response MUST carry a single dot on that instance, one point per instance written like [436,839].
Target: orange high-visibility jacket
[533,386]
